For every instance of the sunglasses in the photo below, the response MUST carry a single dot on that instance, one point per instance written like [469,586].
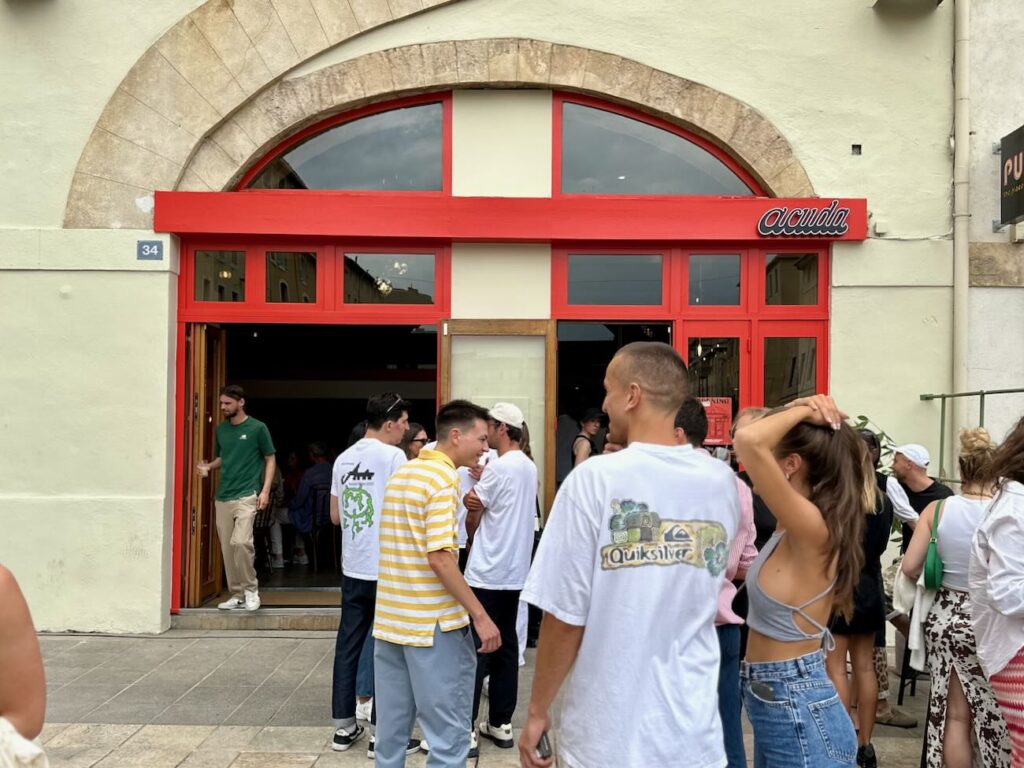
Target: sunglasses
[389,410]
[419,440]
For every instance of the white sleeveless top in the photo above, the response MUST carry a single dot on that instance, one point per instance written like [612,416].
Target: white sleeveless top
[959,520]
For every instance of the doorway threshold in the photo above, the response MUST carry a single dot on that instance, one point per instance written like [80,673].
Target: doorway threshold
[298,618]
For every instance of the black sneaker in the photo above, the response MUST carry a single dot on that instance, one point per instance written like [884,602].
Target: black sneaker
[866,757]
[410,749]
[344,739]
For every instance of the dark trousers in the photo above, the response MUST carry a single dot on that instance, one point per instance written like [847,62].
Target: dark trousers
[502,665]
[729,694]
[358,598]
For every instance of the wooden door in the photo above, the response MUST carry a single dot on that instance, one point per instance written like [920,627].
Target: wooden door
[206,350]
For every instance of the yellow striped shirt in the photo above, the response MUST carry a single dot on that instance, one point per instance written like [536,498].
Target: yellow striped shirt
[418,516]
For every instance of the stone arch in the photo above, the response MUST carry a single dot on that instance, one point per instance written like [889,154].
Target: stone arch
[231,144]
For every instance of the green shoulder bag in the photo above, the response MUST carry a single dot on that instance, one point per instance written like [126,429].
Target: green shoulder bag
[933,563]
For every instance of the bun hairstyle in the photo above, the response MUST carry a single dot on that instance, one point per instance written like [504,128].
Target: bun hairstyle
[977,454]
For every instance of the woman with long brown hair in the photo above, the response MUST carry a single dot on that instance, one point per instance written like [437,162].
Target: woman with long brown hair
[961,700]
[813,472]
[996,584]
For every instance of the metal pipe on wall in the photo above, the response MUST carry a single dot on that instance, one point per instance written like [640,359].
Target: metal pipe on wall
[961,208]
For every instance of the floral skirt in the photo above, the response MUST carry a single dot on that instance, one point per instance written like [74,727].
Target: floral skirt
[950,644]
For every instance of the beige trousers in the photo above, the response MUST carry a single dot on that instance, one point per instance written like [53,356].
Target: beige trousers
[234,528]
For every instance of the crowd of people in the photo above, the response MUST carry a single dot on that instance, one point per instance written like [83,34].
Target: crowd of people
[677,590]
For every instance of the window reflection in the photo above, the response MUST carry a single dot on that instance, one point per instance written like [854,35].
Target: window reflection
[610,154]
[627,279]
[715,280]
[396,150]
[220,276]
[389,278]
[791,278]
[291,277]
[714,374]
[790,369]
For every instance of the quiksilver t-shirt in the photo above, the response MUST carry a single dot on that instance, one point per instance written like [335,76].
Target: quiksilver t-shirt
[635,550]
[242,449]
[503,544]
[358,480]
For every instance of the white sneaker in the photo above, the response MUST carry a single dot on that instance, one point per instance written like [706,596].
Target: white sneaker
[252,600]
[364,709]
[424,747]
[501,735]
[277,562]
[302,559]
[474,744]
[232,604]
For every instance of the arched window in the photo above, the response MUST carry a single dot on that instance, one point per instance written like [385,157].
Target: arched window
[605,152]
[400,149]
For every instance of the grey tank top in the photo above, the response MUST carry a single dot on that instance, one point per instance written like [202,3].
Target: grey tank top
[774,619]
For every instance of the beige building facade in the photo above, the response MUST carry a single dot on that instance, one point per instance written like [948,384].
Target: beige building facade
[108,104]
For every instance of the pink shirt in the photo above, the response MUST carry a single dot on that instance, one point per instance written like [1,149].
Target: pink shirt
[741,556]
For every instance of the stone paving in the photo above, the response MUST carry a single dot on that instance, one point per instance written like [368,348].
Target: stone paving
[203,699]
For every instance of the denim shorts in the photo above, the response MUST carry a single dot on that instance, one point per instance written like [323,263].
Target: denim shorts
[797,716]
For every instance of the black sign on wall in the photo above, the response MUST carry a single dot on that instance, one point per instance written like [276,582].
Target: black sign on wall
[1011,178]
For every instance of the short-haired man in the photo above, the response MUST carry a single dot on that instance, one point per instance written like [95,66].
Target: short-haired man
[629,571]
[425,660]
[910,489]
[358,480]
[692,429]
[242,448]
[502,508]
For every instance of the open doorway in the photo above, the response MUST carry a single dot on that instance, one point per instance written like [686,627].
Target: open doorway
[584,351]
[309,384]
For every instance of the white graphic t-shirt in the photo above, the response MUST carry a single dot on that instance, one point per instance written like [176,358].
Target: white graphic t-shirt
[635,550]
[358,480]
[466,484]
[500,557]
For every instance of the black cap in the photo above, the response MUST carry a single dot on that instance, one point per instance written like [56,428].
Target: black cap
[592,414]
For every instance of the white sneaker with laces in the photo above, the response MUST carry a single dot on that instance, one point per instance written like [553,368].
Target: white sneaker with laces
[364,709]
[232,604]
[501,735]
[252,600]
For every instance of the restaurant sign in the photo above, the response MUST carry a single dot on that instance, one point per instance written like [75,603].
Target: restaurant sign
[1011,178]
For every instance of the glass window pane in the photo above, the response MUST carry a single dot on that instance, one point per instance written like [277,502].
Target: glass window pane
[715,280]
[396,150]
[714,372]
[790,369]
[791,278]
[220,276]
[389,278]
[628,279]
[291,277]
[610,154]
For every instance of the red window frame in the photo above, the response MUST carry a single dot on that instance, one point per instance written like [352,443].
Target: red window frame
[560,98]
[443,98]
[329,307]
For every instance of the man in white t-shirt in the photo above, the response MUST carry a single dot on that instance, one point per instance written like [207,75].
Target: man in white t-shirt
[358,480]
[628,573]
[501,508]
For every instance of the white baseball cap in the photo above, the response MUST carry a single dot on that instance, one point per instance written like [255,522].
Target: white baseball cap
[918,454]
[508,414]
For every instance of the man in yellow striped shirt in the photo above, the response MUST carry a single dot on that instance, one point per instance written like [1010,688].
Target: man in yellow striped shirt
[425,660]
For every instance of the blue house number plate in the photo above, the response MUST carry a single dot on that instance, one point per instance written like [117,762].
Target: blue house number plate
[149,250]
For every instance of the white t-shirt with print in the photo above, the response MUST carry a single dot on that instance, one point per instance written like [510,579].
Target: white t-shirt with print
[466,484]
[358,480]
[635,550]
[500,557]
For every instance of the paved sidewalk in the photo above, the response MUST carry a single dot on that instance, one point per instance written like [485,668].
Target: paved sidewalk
[204,699]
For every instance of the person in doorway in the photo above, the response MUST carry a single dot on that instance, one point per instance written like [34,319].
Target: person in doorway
[813,472]
[855,638]
[244,453]
[910,489]
[962,708]
[358,480]
[628,573]
[414,440]
[584,445]
[692,429]
[996,584]
[425,660]
[302,511]
[502,509]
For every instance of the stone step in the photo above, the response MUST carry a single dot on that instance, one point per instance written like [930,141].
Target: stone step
[291,619]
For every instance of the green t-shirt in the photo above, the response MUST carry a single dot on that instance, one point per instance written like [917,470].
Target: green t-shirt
[241,449]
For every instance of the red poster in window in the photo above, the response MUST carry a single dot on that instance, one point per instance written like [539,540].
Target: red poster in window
[719,411]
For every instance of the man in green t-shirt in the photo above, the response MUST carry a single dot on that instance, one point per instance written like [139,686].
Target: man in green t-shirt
[243,449]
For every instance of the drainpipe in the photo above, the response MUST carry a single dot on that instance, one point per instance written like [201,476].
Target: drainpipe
[961,207]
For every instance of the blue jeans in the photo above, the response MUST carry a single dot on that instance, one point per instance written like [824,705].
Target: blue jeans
[796,714]
[364,672]
[729,701]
